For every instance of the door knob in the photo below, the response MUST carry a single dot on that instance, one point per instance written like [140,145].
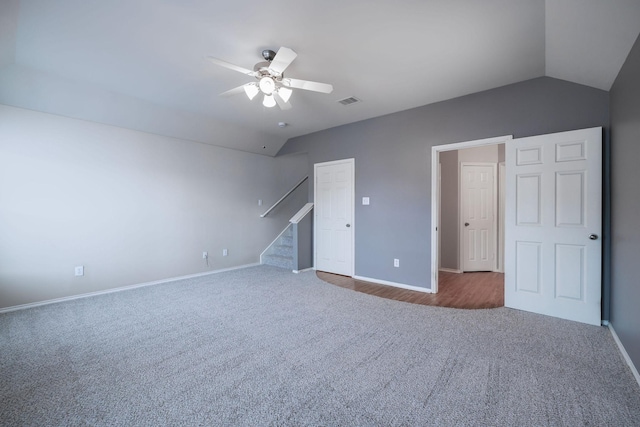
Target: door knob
[348,225]
[593,236]
[466,224]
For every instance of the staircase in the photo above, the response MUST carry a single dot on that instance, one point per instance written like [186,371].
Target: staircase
[280,253]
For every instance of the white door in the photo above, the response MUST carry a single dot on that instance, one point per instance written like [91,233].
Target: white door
[553,225]
[478,220]
[334,205]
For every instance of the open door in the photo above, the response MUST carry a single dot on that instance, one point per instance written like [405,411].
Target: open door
[553,220]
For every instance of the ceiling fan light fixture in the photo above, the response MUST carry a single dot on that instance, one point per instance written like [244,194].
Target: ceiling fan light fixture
[267,85]
[251,90]
[285,93]
[269,101]
[276,89]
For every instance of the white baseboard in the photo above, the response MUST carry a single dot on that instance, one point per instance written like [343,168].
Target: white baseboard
[397,285]
[303,270]
[119,289]
[625,355]
[450,270]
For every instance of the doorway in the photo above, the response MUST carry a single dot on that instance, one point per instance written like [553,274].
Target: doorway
[553,219]
[471,151]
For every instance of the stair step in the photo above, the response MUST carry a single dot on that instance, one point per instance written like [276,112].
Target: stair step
[286,250]
[279,261]
[286,240]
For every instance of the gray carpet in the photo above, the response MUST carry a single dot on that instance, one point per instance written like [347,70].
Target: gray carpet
[264,347]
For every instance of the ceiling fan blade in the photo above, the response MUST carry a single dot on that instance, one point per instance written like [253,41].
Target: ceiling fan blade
[283,59]
[308,85]
[281,102]
[234,91]
[231,66]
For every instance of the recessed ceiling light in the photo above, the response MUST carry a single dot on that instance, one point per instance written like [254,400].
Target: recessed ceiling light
[283,124]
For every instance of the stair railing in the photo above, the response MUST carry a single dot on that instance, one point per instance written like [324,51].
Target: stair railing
[301,213]
[284,197]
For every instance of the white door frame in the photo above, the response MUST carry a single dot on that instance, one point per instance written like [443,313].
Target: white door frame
[461,227]
[435,202]
[501,212]
[352,161]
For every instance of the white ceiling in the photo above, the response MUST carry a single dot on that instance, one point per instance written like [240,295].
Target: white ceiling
[140,63]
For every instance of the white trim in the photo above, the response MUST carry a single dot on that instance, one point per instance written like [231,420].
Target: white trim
[450,270]
[439,198]
[435,218]
[435,205]
[351,161]
[625,355]
[274,240]
[301,213]
[474,143]
[303,270]
[119,289]
[501,210]
[394,284]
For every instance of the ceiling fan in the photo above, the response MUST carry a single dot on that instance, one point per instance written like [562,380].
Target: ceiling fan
[275,87]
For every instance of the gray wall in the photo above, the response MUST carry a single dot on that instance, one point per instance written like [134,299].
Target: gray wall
[393,154]
[449,226]
[625,208]
[24,87]
[131,207]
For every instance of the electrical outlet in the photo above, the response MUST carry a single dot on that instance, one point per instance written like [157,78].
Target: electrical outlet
[259,202]
[396,262]
[79,270]
[205,255]
[225,252]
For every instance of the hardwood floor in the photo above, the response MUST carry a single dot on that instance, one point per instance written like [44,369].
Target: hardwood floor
[456,290]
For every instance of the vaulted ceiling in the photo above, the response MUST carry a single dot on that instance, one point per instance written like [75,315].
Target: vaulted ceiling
[140,64]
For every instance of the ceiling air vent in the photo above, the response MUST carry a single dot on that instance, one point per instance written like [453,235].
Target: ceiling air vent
[350,100]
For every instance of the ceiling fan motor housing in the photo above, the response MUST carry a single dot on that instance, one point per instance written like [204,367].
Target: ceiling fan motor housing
[268,55]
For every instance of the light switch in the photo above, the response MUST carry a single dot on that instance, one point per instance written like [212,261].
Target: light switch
[365,200]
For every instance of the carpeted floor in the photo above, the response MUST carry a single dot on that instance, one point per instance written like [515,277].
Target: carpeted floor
[264,347]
